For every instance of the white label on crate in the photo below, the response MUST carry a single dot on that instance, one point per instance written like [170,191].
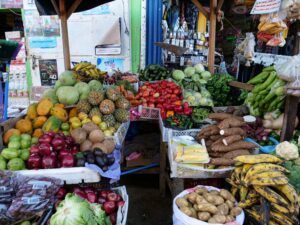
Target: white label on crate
[36,184]
[35,199]
[181,61]
[173,58]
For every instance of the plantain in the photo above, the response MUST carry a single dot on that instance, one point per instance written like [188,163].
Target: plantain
[271,196]
[255,159]
[256,215]
[263,175]
[234,190]
[262,167]
[269,181]
[237,174]
[289,192]
[252,194]
[243,193]
[281,218]
[231,182]
[246,203]
[245,169]
[280,208]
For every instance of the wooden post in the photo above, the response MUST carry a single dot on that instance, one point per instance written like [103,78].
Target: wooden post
[200,8]
[212,36]
[64,30]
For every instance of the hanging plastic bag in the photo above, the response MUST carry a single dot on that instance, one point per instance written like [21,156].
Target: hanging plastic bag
[277,40]
[289,70]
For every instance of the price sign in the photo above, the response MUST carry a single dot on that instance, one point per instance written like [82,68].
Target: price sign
[266,6]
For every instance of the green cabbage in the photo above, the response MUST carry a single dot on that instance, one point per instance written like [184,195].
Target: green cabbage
[74,211]
[199,68]
[196,77]
[206,75]
[189,71]
[178,75]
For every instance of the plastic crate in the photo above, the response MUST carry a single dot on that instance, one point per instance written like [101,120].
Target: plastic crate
[144,113]
[182,171]
[120,135]
[164,130]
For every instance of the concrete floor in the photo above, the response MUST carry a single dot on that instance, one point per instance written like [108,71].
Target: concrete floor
[146,206]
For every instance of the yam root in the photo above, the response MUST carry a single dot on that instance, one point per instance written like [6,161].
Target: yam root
[217,142]
[234,146]
[233,131]
[230,122]
[230,139]
[216,154]
[235,153]
[215,137]
[208,131]
[221,162]
[209,143]
[223,116]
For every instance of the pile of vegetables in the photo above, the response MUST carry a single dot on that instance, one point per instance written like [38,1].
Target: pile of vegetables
[256,130]
[193,80]
[294,167]
[268,93]
[106,202]
[154,72]
[214,206]
[222,94]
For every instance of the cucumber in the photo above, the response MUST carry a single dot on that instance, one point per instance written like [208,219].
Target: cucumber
[269,69]
[260,78]
[269,81]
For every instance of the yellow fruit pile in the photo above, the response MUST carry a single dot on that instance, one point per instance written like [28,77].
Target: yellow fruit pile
[271,25]
[261,176]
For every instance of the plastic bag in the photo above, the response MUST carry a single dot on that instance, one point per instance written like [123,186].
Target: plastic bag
[179,218]
[289,70]
[277,40]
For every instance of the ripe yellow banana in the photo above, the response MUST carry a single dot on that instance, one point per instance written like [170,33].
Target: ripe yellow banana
[263,175]
[269,181]
[258,168]
[271,195]
[255,159]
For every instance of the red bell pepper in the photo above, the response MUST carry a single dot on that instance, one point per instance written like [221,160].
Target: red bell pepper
[178,108]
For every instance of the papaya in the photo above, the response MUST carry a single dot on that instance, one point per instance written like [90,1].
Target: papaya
[52,124]
[44,106]
[10,133]
[24,126]
[60,113]
[73,112]
[37,132]
[39,121]
[31,111]
[59,105]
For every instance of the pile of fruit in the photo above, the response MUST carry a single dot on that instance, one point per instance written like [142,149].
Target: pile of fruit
[108,200]
[53,150]
[268,93]
[86,72]
[262,176]
[217,207]
[17,152]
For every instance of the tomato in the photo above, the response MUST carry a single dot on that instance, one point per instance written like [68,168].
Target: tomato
[176,91]
[152,105]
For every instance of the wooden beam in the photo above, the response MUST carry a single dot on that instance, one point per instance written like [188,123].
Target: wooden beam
[212,36]
[248,87]
[73,7]
[200,7]
[289,119]
[219,6]
[55,7]
[64,31]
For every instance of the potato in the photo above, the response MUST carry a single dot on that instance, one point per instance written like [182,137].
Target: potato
[187,211]
[204,216]
[201,190]
[235,211]
[207,207]
[214,192]
[200,200]
[192,197]
[223,209]
[195,206]
[214,199]
[217,219]
[229,219]
[181,202]
[194,213]
[227,195]
[230,204]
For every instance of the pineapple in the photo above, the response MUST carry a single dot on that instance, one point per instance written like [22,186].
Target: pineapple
[122,103]
[107,107]
[84,106]
[95,97]
[122,115]
[95,112]
[113,94]
[109,120]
